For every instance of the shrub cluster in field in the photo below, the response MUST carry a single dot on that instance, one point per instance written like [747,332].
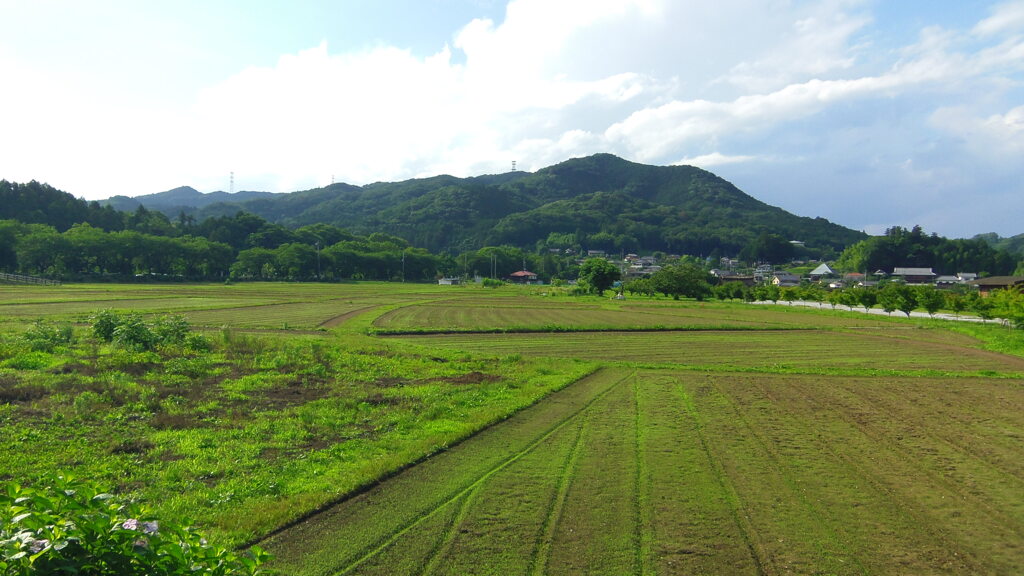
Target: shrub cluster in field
[240,431]
[67,526]
[131,331]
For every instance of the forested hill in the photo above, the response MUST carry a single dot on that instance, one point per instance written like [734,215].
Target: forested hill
[597,202]
[186,198]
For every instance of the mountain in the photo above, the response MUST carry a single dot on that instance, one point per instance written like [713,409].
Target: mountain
[596,202]
[182,198]
[1013,244]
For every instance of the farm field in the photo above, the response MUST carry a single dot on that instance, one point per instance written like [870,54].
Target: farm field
[415,429]
[665,472]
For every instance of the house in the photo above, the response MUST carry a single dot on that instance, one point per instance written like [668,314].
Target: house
[915,275]
[449,281]
[966,276]
[640,271]
[947,280]
[987,285]
[745,279]
[822,271]
[596,254]
[784,280]
[523,277]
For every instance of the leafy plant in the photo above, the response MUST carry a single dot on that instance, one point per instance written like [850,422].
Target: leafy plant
[44,338]
[70,527]
[103,324]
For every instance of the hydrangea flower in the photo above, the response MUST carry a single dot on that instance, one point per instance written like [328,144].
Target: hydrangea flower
[36,546]
[130,524]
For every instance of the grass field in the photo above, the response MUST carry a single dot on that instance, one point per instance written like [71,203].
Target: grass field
[645,437]
[663,472]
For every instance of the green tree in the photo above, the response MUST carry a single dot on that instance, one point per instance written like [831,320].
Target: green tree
[768,248]
[930,299]
[598,275]
[684,279]
[895,296]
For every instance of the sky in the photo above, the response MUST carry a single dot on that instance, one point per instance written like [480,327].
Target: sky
[868,113]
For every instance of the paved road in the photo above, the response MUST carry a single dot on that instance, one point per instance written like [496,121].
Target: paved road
[940,315]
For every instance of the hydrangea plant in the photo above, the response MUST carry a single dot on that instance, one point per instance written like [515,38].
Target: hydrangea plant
[70,527]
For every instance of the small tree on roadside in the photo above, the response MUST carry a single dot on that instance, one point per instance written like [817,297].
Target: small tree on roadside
[834,298]
[929,298]
[956,302]
[866,297]
[889,298]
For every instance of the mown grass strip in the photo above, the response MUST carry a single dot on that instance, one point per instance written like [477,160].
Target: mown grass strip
[350,533]
[741,519]
[542,549]
[641,489]
[467,492]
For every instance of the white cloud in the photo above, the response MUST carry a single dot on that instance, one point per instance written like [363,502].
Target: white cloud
[796,83]
[816,44]
[1006,17]
[996,137]
[714,159]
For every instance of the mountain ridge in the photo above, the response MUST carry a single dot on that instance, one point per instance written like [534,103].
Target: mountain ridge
[599,201]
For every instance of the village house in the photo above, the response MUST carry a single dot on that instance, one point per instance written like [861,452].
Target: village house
[785,280]
[640,270]
[522,277]
[822,271]
[914,275]
[987,285]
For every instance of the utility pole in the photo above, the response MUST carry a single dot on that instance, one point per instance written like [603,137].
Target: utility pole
[317,259]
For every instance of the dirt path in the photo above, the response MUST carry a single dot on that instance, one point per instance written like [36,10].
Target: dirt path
[338,320]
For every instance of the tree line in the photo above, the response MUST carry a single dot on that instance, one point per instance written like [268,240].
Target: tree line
[84,252]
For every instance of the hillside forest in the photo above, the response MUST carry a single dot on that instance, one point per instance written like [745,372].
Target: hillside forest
[50,233]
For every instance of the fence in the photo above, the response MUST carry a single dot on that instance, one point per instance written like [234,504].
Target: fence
[22,279]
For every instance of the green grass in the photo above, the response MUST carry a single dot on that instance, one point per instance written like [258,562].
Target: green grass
[680,472]
[645,436]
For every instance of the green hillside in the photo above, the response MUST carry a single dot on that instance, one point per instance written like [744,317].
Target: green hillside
[597,202]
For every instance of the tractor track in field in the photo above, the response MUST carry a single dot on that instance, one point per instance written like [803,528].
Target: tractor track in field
[1011,529]
[740,515]
[580,404]
[468,491]
[542,549]
[342,318]
[642,482]
[897,499]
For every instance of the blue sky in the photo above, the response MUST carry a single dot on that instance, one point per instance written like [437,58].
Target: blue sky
[868,113]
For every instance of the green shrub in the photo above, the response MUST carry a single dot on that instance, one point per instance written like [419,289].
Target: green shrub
[70,527]
[29,360]
[41,337]
[133,333]
[172,329]
[103,324]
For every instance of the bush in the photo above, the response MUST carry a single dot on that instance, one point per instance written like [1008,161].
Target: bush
[133,333]
[171,329]
[43,338]
[103,324]
[69,527]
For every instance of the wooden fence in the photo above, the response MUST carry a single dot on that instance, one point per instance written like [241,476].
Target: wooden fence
[22,279]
